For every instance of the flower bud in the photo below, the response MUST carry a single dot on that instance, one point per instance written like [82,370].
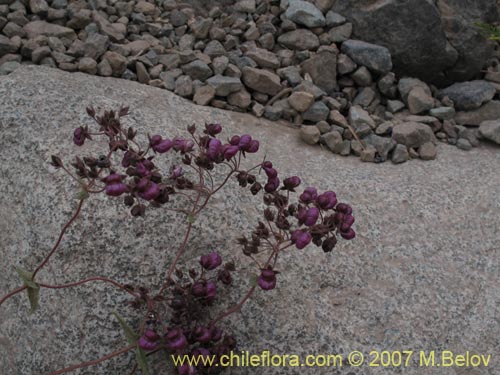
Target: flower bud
[271,173]
[176,172]
[253,147]
[211,261]
[155,140]
[163,146]
[213,129]
[312,215]
[114,185]
[327,200]
[149,340]
[256,187]
[79,136]
[348,235]
[267,279]
[309,195]
[245,142]
[150,192]
[230,151]
[272,185]
[211,291]
[175,339]
[235,140]
[301,239]
[344,208]
[202,334]
[214,147]
[291,183]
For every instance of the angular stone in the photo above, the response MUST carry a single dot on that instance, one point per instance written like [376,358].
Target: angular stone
[345,64]
[300,39]
[419,101]
[37,28]
[374,57]
[214,49]
[142,73]
[224,85]
[332,139]
[39,7]
[490,130]
[464,144]
[322,68]
[301,101]
[264,58]
[317,112]
[469,95]
[305,13]
[400,154]
[245,6]
[184,86]
[95,45]
[87,65]
[197,69]
[107,28]
[413,134]
[358,116]
[340,33]
[261,80]
[6,46]
[394,106]
[117,62]
[368,154]
[489,111]
[241,99]
[383,145]
[443,113]
[427,151]
[204,95]
[310,134]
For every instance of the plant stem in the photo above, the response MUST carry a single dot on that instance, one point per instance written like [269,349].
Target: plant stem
[94,362]
[66,226]
[13,293]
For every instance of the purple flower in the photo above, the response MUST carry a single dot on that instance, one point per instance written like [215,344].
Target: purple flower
[155,140]
[127,157]
[142,170]
[267,279]
[149,340]
[301,239]
[163,146]
[213,129]
[183,145]
[349,234]
[211,291]
[327,200]
[114,185]
[176,172]
[148,189]
[245,141]
[235,140]
[349,220]
[214,147]
[175,339]
[344,208]
[253,147]
[312,215]
[229,151]
[291,183]
[272,185]
[79,136]
[310,194]
[211,261]
[271,173]
[202,334]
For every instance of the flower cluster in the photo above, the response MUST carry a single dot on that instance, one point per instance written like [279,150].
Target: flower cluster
[134,172]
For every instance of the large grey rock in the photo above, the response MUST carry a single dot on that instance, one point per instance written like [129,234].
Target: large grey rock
[412,134]
[469,95]
[490,130]
[322,68]
[433,40]
[37,28]
[197,69]
[300,39]
[357,295]
[374,57]
[304,13]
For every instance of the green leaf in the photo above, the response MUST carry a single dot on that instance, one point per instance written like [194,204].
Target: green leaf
[142,361]
[132,337]
[34,297]
[26,277]
[191,219]
[82,195]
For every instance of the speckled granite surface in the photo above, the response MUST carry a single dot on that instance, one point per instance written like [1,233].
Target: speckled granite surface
[422,274]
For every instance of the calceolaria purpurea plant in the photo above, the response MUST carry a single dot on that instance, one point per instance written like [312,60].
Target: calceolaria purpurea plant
[128,171]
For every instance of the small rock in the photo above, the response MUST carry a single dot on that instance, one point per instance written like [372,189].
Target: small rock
[214,49]
[359,117]
[464,144]
[8,67]
[104,68]
[337,118]
[317,112]
[405,85]
[245,6]
[345,64]
[197,69]
[261,80]
[106,28]
[305,13]
[95,45]
[340,33]
[264,58]
[310,134]
[258,109]
[87,65]
[331,139]
[322,69]
[362,77]
[383,145]
[39,7]
[334,19]
[400,154]
[142,73]
[184,86]
[394,106]
[323,126]
[301,101]
[365,97]
[36,28]
[241,99]
[374,57]
[413,134]
[204,95]
[419,101]
[469,95]
[488,111]
[490,130]
[384,128]
[301,39]
[224,85]
[368,154]
[220,64]
[443,113]
[427,151]
[117,62]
